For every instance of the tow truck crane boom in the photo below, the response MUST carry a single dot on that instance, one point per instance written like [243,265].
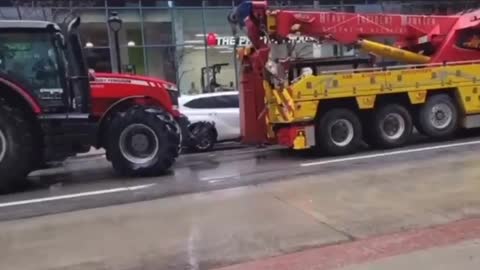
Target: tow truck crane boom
[442,38]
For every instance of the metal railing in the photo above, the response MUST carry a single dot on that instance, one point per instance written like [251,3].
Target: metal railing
[412,66]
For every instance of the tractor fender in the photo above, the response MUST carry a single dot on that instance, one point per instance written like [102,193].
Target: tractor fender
[21,93]
[118,106]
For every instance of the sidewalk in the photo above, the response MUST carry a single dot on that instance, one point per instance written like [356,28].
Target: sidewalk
[461,256]
[229,228]
[448,246]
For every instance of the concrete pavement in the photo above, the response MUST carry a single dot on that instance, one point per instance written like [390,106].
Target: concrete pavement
[451,246]
[186,232]
[461,256]
[221,228]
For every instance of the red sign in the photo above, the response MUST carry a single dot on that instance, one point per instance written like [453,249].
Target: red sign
[212,39]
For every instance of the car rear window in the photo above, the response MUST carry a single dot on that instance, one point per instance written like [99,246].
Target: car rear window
[216,102]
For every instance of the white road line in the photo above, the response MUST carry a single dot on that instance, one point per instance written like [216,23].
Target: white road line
[75,195]
[393,153]
[218,178]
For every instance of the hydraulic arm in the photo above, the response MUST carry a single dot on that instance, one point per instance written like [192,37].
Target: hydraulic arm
[441,38]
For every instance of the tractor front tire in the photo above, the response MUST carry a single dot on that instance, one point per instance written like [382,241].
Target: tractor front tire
[143,141]
[17,148]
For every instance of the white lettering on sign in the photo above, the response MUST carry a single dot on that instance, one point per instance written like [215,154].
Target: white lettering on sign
[245,41]
[230,41]
[120,81]
[51,91]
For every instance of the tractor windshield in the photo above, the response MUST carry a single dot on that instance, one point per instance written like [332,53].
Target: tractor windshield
[31,60]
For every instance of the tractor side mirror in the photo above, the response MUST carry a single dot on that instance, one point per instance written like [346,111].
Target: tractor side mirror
[91,74]
[60,41]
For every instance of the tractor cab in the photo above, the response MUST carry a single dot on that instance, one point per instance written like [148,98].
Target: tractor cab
[36,56]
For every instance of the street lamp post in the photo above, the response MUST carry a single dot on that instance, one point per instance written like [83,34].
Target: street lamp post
[115,24]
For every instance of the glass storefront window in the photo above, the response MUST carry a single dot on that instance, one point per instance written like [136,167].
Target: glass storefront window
[131,41]
[89,3]
[98,59]
[93,30]
[156,3]
[189,28]
[222,57]
[220,52]
[224,3]
[162,62]
[188,3]
[157,25]
[190,60]
[123,3]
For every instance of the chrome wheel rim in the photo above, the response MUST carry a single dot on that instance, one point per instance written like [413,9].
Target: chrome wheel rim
[139,144]
[441,116]
[204,144]
[393,126]
[341,132]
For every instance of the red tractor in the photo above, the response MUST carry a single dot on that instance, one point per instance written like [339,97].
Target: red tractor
[52,107]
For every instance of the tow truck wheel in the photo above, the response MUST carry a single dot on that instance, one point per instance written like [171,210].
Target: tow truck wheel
[143,141]
[339,132]
[16,148]
[390,126]
[438,117]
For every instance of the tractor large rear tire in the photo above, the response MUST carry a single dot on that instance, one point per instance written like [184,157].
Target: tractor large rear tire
[17,148]
[143,141]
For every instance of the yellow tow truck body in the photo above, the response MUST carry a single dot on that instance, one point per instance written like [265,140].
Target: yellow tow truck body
[301,101]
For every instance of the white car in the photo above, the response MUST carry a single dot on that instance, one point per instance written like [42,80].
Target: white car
[221,108]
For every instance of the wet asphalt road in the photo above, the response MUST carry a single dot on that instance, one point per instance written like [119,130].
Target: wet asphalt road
[90,182]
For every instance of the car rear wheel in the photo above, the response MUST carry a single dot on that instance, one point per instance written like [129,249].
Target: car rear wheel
[204,136]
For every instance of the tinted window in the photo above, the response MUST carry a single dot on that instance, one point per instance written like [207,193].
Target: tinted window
[219,102]
[200,103]
[232,101]
[31,59]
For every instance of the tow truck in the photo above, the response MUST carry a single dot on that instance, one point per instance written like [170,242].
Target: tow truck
[434,85]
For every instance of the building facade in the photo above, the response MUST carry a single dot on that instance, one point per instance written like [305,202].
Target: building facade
[173,40]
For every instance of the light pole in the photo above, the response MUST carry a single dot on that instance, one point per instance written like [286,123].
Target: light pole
[115,24]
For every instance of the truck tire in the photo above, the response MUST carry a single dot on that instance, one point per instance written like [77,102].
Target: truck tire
[390,126]
[143,141]
[339,132]
[17,148]
[438,117]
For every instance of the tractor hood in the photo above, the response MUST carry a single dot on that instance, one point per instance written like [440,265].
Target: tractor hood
[111,88]
[101,77]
